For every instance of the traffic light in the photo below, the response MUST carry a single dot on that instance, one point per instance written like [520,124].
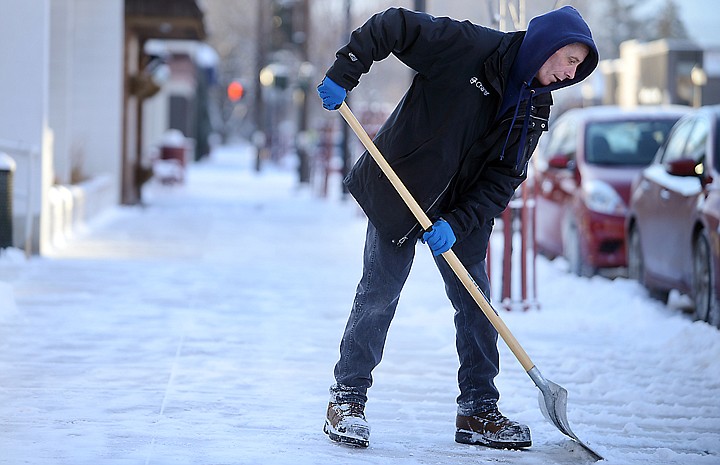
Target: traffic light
[235,91]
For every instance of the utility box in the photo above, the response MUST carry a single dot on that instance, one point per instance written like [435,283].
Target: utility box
[7,171]
[170,167]
[174,147]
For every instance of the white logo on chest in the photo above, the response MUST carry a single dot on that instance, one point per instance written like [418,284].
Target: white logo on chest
[476,82]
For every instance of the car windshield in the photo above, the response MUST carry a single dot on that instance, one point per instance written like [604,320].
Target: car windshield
[631,143]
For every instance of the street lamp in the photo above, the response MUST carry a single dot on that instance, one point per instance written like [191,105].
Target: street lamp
[699,79]
[274,75]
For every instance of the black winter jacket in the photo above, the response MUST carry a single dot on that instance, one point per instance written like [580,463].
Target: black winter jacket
[444,139]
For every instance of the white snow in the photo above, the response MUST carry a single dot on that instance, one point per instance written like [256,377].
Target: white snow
[203,329]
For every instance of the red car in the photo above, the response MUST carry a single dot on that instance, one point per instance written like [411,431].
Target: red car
[674,219]
[582,177]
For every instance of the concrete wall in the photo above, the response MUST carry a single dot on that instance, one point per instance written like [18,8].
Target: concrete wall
[97,86]
[24,33]
[86,87]
[60,109]
[72,207]
[61,91]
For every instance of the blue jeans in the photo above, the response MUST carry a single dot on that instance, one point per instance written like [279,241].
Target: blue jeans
[385,270]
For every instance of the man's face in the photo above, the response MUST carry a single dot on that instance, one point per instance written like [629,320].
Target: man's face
[562,64]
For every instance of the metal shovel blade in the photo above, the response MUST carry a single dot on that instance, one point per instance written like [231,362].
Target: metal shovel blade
[553,404]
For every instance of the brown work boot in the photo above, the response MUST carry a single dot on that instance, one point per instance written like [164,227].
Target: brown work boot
[345,423]
[492,429]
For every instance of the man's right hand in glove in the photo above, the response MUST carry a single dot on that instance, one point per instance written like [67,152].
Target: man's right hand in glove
[331,93]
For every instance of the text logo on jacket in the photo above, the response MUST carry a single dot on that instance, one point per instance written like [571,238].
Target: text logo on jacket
[476,82]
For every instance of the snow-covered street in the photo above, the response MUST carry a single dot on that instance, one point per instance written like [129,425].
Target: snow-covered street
[203,329]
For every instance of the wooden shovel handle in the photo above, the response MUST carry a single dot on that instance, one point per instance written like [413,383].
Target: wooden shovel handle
[449,256]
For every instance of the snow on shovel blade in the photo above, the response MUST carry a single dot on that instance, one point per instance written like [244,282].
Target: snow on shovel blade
[553,404]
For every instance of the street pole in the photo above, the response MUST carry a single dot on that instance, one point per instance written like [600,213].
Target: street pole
[512,14]
[301,141]
[260,135]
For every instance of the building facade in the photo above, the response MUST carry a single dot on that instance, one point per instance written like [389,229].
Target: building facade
[71,109]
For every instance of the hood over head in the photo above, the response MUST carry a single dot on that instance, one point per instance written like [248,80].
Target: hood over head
[545,35]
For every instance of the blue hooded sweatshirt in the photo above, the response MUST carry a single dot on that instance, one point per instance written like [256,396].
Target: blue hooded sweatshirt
[545,35]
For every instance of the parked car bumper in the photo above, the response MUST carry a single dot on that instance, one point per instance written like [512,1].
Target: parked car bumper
[605,236]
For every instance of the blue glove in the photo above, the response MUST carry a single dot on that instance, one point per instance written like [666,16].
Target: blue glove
[440,237]
[331,94]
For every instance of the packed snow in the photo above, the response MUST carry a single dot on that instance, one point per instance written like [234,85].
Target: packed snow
[203,328]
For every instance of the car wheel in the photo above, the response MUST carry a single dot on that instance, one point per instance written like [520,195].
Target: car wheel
[636,266]
[572,250]
[634,259]
[714,313]
[704,295]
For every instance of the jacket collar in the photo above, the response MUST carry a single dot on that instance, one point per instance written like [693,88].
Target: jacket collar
[498,65]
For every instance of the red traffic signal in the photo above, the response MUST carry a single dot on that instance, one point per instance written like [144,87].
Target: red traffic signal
[235,91]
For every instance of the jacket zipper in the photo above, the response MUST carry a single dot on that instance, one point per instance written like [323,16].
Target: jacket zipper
[406,236]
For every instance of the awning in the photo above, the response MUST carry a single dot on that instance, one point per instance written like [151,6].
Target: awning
[165,19]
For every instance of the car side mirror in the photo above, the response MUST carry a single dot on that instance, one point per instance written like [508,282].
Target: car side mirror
[560,161]
[684,167]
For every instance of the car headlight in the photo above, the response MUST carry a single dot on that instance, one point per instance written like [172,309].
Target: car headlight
[600,197]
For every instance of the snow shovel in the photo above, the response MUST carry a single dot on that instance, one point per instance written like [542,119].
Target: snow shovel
[552,397]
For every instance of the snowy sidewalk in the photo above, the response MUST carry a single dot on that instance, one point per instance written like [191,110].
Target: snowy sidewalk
[203,329]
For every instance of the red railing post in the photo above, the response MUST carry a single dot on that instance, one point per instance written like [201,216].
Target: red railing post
[518,222]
